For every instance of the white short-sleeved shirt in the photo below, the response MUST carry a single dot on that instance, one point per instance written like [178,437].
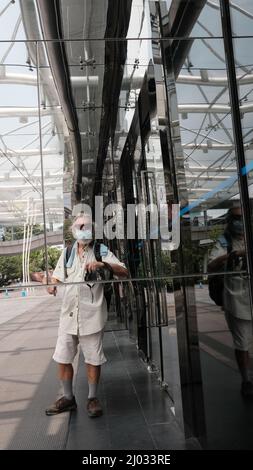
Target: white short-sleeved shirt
[84,309]
[236,287]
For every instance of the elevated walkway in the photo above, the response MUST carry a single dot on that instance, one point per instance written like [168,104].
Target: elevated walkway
[15,247]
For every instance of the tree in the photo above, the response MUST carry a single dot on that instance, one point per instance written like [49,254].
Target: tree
[11,266]
[38,259]
[67,233]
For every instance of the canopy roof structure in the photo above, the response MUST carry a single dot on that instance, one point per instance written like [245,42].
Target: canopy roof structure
[70,121]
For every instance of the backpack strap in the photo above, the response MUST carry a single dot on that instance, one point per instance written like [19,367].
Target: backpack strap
[225,243]
[97,253]
[100,250]
[67,254]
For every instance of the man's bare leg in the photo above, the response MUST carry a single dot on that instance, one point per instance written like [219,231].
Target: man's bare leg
[65,374]
[65,371]
[93,375]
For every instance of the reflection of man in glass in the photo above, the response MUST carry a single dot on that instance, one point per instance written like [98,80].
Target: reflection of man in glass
[83,315]
[230,256]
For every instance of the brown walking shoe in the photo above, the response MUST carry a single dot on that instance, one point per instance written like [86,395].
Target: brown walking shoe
[61,405]
[94,408]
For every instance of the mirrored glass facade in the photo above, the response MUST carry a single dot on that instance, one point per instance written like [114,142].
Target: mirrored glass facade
[141,111]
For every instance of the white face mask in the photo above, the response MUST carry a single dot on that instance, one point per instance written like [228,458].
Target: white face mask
[83,236]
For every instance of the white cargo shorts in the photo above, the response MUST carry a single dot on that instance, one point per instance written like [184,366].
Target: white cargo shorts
[91,346]
[241,331]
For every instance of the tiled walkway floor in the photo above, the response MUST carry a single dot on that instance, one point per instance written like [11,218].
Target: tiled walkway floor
[137,412]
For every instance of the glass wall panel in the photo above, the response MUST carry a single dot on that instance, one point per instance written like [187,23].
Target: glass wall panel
[143,125]
[242,56]
[210,170]
[224,337]
[212,235]
[207,21]
[242,16]
[22,229]
[105,141]
[54,138]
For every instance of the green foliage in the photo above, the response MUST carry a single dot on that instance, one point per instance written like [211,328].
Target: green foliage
[215,233]
[53,256]
[11,266]
[67,234]
[38,261]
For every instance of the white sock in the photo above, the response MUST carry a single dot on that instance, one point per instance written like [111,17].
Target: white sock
[92,390]
[67,388]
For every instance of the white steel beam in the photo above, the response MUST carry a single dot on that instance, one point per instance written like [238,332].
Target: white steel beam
[34,200]
[211,146]
[54,210]
[215,108]
[27,187]
[6,112]
[213,81]
[206,177]
[21,178]
[135,82]
[213,169]
[76,81]
[28,152]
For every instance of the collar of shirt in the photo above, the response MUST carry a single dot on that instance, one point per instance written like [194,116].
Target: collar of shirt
[82,255]
[83,258]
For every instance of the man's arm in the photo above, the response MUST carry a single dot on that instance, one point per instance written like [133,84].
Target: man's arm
[118,270]
[110,261]
[55,277]
[217,263]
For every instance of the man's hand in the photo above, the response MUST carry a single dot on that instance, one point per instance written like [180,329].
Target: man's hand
[52,290]
[240,252]
[94,265]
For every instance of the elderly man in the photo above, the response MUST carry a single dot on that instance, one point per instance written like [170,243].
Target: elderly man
[228,254]
[83,315]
